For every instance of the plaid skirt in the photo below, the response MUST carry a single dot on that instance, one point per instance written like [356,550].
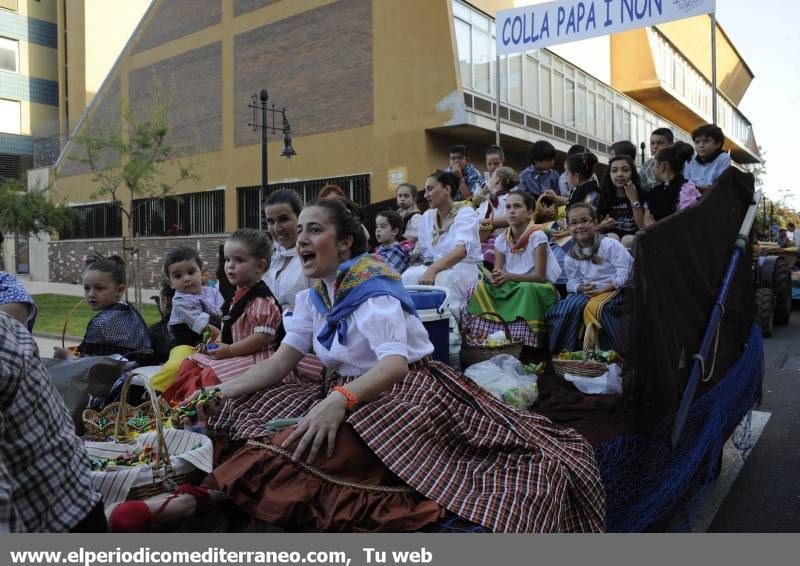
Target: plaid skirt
[565,322]
[505,469]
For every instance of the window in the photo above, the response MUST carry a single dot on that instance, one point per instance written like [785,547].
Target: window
[9,55]
[464,52]
[10,117]
[532,85]
[482,48]
[180,215]
[544,91]
[558,97]
[569,103]
[356,187]
[515,79]
[94,221]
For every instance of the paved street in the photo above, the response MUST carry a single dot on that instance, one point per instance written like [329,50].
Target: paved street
[765,496]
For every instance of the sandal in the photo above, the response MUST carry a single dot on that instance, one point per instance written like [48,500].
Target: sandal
[135,516]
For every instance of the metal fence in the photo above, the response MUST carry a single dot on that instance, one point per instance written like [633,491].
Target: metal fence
[180,215]
[94,221]
[356,187]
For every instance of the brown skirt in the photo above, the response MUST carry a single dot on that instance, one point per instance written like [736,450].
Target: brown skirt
[352,491]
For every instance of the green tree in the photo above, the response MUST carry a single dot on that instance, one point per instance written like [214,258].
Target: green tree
[25,212]
[128,165]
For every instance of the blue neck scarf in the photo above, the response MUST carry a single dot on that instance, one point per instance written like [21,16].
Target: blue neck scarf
[357,280]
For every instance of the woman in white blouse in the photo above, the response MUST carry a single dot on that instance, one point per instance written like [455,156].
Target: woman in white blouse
[284,277]
[597,270]
[449,245]
[388,440]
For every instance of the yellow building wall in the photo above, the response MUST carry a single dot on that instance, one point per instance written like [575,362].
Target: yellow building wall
[41,10]
[38,61]
[632,62]
[692,37]
[408,99]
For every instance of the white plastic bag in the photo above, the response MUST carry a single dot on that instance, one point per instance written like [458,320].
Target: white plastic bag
[504,377]
[607,384]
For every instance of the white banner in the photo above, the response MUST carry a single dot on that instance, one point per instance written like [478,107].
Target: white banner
[541,25]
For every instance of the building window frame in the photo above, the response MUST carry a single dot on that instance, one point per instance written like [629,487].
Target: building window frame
[11,45]
[10,116]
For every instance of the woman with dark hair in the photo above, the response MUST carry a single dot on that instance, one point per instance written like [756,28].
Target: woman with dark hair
[284,276]
[390,440]
[449,244]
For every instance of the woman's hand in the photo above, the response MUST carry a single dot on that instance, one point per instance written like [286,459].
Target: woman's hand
[649,218]
[586,288]
[62,353]
[631,192]
[499,277]
[320,425]
[606,224]
[594,292]
[429,277]
[486,222]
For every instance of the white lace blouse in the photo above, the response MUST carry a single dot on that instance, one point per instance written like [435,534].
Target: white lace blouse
[285,277]
[524,262]
[463,230]
[615,269]
[374,331]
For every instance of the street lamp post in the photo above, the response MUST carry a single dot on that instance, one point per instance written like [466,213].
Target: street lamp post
[259,105]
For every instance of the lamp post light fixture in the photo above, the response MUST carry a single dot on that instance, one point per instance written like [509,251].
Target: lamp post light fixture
[261,121]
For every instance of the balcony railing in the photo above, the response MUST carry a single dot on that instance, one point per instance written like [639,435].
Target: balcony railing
[680,77]
[546,93]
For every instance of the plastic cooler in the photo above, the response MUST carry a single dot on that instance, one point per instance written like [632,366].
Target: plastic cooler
[432,304]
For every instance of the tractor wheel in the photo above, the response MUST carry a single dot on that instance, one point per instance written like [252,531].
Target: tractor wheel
[765,311]
[782,289]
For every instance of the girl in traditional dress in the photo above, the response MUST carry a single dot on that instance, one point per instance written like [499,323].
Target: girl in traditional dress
[520,289]
[251,324]
[492,208]
[597,269]
[449,245]
[284,277]
[117,328]
[389,440]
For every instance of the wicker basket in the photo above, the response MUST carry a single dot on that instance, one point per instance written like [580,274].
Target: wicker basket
[120,412]
[581,368]
[471,355]
[164,478]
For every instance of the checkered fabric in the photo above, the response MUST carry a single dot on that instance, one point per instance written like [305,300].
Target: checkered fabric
[396,256]
[12,291]
[119,329]
[476,328]
[505,469]
[45,485]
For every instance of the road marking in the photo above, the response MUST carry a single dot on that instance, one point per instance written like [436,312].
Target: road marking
[732,463]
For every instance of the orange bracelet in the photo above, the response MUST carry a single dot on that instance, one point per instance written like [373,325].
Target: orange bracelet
[351,399]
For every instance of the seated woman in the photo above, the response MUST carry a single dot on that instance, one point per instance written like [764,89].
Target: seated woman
[449,245]
[520,289]
[492,208]
[284,277]
[614,205]
[251,328]
[390,440]
[597,269]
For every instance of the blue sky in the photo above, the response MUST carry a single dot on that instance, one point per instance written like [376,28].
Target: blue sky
[766,35]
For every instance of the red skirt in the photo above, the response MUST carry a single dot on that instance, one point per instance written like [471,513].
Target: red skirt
[191,377]
[352,491]
[437,433]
